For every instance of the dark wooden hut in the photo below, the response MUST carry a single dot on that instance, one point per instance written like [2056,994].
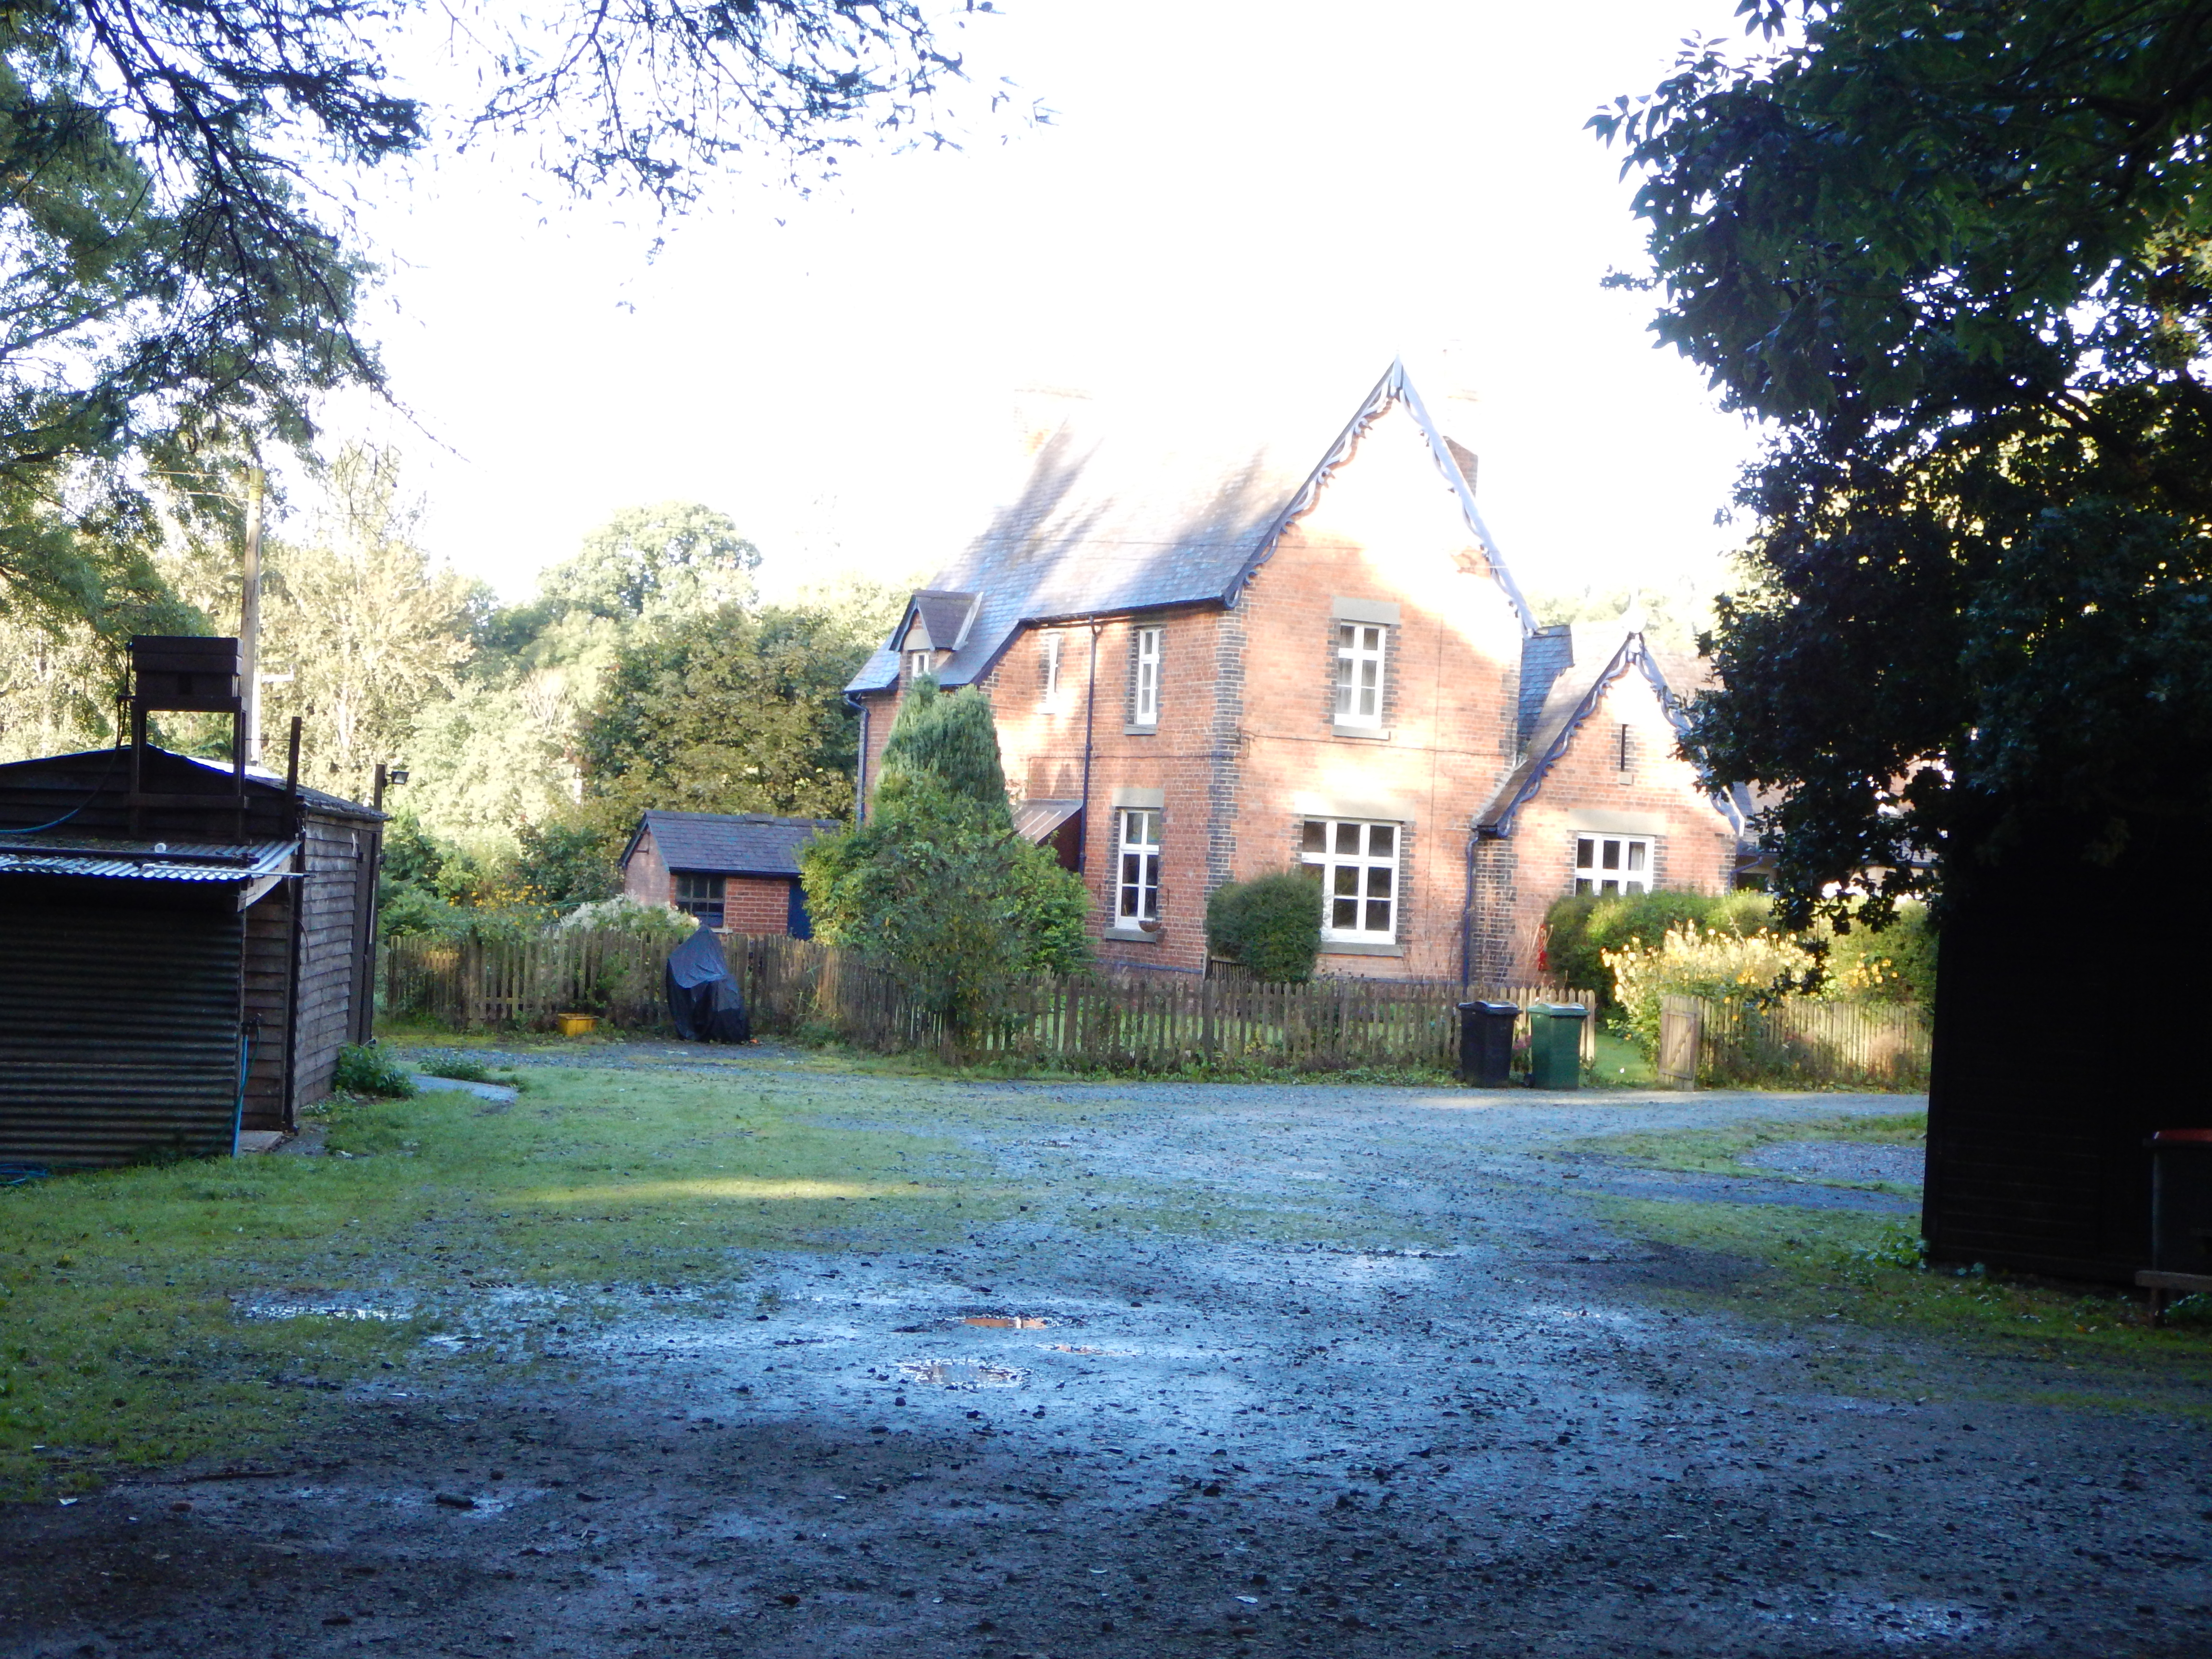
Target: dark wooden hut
[184,945]
[2066,988]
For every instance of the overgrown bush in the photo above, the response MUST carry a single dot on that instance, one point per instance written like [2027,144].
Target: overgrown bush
[624,914]
[1579,931]
[1697,961]
[564,864]
[936,885]
[1897,964]
[1270,927]
[364,1068]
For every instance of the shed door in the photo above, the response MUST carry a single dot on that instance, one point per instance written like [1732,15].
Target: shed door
[119,1025]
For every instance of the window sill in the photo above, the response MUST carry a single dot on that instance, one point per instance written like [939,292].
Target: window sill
[1133,935]
[1135,731]
[1330,947]
[1364,733]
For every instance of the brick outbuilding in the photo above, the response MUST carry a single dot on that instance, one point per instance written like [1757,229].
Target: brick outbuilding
[1210,659]
[737,870]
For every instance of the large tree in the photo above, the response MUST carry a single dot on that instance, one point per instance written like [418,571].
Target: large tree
[178,266]
[1955,252]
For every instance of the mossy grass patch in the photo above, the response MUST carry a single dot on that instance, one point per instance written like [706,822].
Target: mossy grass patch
[1721,1151]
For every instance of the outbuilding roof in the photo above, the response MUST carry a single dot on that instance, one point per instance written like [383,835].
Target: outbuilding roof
[1130,515]
[727,843]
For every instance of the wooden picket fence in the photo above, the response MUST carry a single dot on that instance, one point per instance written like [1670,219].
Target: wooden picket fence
[1148,1021]
[1793,1043]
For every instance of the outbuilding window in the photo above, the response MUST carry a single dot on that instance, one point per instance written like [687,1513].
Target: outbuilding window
[700,896]
[1358,864]
[1613,864]
[1137,893]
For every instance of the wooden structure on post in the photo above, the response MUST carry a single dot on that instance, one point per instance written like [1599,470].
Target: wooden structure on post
[183,945]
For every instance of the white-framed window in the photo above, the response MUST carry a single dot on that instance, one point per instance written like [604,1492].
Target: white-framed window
[1052,643]
[1137,893]
[1358,864]
[1147,707]
[1359,673]
[917,663]
[1613,864]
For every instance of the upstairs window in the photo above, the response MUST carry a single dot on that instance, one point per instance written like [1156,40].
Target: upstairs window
[700,896]
[1052,667]
[1137,893]
[1358,864]
[1360,674]
[1613,864]
[1146,710]
[917,663]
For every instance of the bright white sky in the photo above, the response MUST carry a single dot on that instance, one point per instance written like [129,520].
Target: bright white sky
[1287,193]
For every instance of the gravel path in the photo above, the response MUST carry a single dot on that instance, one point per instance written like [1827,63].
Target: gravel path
[1446,1410]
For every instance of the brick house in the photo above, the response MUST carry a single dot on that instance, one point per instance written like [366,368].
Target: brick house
[737,870]
[1209,662]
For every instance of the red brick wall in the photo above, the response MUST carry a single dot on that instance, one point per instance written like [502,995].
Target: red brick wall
[1694,846]
[756,904]
[1388,529]
[1040,742]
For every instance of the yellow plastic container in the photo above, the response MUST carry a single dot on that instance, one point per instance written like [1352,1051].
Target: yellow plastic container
[578,1024]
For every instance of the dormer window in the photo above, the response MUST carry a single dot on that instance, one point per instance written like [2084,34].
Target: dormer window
[917,663]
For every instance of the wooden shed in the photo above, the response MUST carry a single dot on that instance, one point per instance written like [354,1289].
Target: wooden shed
[184,946]
[2043,1095]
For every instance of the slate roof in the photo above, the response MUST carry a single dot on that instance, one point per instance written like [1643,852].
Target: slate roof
[728,843]
[1152,513]
[1564,671]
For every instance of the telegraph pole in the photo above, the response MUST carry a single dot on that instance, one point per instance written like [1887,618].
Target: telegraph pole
[249,618]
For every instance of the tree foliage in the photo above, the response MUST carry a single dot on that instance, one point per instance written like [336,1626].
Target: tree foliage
[935,884]
[182,275]
[728,711]
[672,559]
[948,742]
[1957,252]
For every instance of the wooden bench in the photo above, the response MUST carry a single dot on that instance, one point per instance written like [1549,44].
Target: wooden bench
[2162,1286]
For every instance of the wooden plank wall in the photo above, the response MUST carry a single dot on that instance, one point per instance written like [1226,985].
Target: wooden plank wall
[268,949]
[333,853]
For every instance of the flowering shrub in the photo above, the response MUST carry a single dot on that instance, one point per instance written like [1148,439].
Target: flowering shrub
[1693,961]
[620,914]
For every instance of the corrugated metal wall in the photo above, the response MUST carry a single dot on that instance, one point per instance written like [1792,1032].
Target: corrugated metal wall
[118,1026]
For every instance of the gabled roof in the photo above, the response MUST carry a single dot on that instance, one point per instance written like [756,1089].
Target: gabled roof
[1168,511]
[727,843]
[936,621]
[1565,672]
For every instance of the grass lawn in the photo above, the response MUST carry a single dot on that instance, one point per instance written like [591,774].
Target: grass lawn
[131,1300]
[1718,1151]
[1813,1268]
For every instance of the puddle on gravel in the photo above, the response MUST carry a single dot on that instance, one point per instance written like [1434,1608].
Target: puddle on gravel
[960,1374]
[993,1322]
[274,1307]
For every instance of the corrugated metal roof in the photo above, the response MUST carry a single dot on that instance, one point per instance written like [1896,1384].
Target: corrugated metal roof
[1168,506]
[142,860]
[729,843]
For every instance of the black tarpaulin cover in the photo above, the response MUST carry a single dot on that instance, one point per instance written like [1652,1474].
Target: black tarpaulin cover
[704,1002]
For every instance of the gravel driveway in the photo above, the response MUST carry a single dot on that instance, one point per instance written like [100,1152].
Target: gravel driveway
[1444,1409]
